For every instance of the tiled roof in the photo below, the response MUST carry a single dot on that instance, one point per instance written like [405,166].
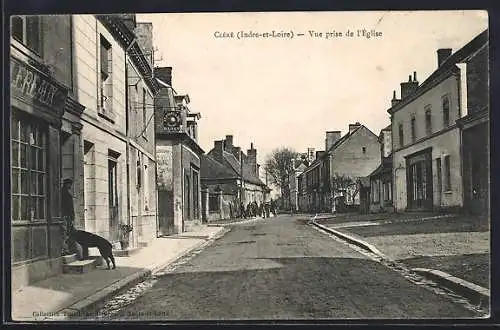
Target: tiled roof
[248,173]
[212,169]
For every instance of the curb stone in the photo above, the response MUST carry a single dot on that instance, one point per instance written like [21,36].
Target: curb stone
[89,304]
[362,244]
[473,292]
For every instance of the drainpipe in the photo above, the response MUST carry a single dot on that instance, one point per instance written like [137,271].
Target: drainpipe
[127,151]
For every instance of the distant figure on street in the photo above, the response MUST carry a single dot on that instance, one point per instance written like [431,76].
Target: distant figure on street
[267,209]
[273,207]
[68,217]
[242,211]
[261,210]
[255,208]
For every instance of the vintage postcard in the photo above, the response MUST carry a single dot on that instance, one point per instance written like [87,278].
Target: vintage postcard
[250,166]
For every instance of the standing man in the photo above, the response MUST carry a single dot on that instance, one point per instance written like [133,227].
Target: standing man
[68,216]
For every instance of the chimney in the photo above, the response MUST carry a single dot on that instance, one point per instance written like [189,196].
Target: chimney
[409,87]
[164,74]
[252,158]
[394,100]
[443,54]
[237,153]
[219,150]
[229,143]
[311,155]
[331,138]
[352,127]
[144,34]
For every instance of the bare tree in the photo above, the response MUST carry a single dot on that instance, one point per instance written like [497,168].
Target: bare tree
[279,166]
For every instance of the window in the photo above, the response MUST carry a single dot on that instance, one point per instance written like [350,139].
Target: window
[144,113]
[413,129]
[29,171]
[446,111]
[213,202]
[106,79]
[439,176]
[401,135]
[27,30]
[447,173]
[428,121]
[387,193]
[364,150]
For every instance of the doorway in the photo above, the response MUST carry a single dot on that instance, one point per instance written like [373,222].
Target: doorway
[113,196]
[419,178]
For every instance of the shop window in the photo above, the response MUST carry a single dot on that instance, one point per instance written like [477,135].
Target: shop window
[29,171]
[27,30]
[106,79]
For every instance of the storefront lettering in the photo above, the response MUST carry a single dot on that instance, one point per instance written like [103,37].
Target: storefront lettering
[33,84]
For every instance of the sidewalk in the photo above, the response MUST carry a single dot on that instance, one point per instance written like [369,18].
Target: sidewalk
[456,245]
[54,297]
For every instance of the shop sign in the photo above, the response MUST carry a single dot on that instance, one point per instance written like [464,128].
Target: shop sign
[33,86]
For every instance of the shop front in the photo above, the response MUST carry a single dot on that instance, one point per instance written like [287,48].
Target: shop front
[37,107]
[419,179]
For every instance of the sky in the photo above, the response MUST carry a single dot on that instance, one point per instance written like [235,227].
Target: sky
[287,92]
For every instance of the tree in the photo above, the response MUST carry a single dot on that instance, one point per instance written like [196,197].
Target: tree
[279,166]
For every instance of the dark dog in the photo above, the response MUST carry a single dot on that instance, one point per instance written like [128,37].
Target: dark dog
[86,240]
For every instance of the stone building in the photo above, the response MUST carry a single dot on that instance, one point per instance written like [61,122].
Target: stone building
[178,155]
[427,158]
[475,130]
[141,151]
[380,180]
[230,178]
[45,130]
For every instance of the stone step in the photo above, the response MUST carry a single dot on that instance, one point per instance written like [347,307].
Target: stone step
[81,266]
[126,253]
[67,259]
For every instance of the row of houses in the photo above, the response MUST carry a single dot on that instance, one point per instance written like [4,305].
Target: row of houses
[88,103]
[434,156]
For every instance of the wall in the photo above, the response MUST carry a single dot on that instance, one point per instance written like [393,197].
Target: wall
[86,45]
[477,82]
[57,47]
[432,98]
[348,159]
[100,132]
[96,192]
[444,144]
[141,134]
[443,141]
